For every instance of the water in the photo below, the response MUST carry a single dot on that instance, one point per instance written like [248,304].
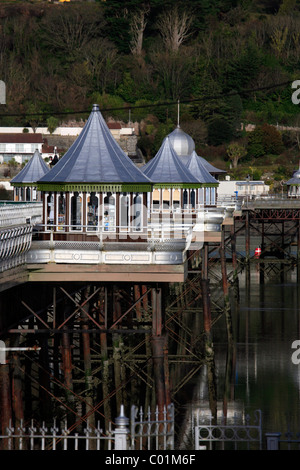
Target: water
[265,326]
[260,373]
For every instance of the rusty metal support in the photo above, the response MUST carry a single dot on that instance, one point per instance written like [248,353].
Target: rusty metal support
[208,348]
[5,402]
[233,246]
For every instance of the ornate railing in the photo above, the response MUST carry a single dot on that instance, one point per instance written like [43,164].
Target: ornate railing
[15,242]
[16,213]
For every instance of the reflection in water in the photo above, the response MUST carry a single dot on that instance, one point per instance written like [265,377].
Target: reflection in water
[256,371]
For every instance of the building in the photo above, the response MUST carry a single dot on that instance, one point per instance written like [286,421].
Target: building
[20,147]
[233,188]
[95,187]
[25,182]
[293,185]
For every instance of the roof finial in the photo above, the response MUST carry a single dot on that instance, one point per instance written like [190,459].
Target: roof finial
[178,106]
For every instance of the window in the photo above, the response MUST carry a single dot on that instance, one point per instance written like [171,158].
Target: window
[76,211]
[166,199]
[176,199]
[155,199]
[109,215]
[207,196]
[124,211]
[92,211]
[201,196]
[49,210]
[19,148]
[61,211]
[137,213]
[193,198]
[185,198]
[213,196]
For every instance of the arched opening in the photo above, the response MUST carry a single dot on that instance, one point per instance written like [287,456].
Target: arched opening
[124,212]
[166,199]
[61,211]
[109,213]
[76,211]
[155,199]
[92,211]
[137,213]
[176,199]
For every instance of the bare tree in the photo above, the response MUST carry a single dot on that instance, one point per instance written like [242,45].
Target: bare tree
[137,27]
[174,27]
[102,58]
[71,31]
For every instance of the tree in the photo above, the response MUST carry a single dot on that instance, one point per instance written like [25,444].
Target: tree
[219,131]
[265,139]
[174,27]
[67,32]
[52,123]
[235,152]
[137,27]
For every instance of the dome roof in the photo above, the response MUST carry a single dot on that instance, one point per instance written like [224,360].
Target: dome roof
[182,143]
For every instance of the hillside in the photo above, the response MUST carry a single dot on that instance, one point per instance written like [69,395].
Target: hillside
[227,62]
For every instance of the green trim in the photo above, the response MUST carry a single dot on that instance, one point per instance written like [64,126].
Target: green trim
[24,185]
[95,187]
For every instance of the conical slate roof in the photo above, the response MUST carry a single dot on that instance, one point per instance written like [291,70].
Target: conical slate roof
[295,179]
[210,168]
[182,143]
[95,157]
[34,169]
[167,167]
[197,168]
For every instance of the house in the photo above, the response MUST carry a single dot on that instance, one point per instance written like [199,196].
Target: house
[21,146]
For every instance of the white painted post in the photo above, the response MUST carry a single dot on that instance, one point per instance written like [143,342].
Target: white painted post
[121,431]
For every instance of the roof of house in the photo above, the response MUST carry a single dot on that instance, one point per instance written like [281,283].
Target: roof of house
[167,167]
[34,169]
[22,138]
[95,157]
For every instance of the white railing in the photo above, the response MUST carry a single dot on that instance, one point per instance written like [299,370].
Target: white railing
[15,242]
[12,214]
[156,431]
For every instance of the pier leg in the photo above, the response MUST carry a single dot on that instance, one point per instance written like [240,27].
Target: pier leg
[208,349]
[5,403]
[158,349]
[87,360]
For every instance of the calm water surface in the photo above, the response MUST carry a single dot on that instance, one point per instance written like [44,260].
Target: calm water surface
[261,374]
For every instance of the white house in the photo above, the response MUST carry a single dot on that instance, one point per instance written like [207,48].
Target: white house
[21,146]
[234,188]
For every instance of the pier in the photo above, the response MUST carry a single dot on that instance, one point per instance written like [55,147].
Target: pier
[110,291]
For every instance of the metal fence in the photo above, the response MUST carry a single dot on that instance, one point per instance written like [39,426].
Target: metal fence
[150,431]
[288,441]
[239,433]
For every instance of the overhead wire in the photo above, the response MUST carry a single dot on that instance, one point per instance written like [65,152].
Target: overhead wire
[152,105]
